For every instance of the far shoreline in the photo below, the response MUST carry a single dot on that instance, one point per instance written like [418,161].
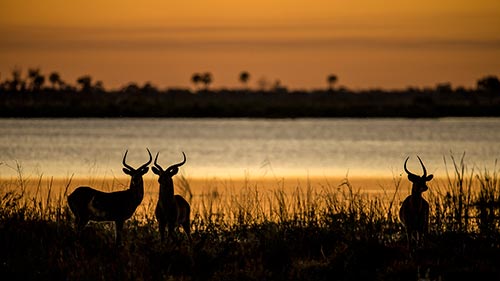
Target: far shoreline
[442,101]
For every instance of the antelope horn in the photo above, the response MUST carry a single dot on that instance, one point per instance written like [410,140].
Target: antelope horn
[406,169]
[178,164]
[423,167]
[125,164]
[149,161]
[156,163]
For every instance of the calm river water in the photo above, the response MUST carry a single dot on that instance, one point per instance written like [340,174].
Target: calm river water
[246,147]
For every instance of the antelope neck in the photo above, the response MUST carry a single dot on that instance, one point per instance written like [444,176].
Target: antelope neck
[137,185]
[167,189]
[415,192]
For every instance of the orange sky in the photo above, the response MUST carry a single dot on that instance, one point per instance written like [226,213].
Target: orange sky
[367,43]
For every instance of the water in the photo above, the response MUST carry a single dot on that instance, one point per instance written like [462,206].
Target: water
[246,147]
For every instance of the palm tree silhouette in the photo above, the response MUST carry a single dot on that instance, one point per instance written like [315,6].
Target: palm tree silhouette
[244,77]
[55,79]
[38,82]
[36,79]
[206,79]
[331,79]
[196,79]
[85,82]
[33,73]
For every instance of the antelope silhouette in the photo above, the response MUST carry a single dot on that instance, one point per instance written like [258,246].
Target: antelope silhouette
[414,212]
[87,203]
[171,210]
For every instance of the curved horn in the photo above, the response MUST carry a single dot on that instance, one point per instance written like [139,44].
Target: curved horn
[423,167]
[149,161]
[156,164]
[406,169]
[178,164]
[125,164]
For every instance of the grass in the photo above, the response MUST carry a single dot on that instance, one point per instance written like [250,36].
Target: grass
[309,232]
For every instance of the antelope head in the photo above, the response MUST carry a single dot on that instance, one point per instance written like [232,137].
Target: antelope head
[419,182]
[136,174]
[167,174]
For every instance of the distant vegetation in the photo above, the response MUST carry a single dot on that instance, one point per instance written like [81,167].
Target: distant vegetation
[311,233]
[37,95]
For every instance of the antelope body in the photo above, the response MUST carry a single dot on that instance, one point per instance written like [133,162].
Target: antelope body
[414,212]
[88,204]
[171,210]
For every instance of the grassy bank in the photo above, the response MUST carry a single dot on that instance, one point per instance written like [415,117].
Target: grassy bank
[312,231]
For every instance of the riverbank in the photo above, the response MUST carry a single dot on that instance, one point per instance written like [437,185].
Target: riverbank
[303,229]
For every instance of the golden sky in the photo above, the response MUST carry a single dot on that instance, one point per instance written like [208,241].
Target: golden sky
[367,43]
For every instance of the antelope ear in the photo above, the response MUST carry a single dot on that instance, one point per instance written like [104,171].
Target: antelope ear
[156,170]
[127,171]
[429,177]
[144,170]
[413,178]
[173,171]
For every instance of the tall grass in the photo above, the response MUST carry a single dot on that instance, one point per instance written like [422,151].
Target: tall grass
[20,203]
[308,232]
[488,201]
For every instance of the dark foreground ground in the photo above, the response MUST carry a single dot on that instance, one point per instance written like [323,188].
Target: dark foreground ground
[341,246]
[45,250]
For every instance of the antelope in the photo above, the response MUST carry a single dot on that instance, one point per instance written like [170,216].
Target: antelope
[87,203]
[414,212]
[171,210]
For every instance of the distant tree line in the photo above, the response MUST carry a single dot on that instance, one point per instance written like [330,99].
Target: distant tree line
[33,94]
[35,81]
